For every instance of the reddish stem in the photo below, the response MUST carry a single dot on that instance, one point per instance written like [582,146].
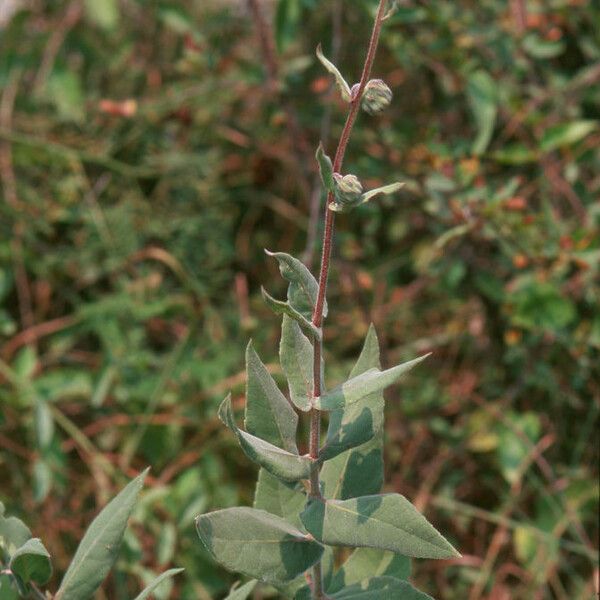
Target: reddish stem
[317,318]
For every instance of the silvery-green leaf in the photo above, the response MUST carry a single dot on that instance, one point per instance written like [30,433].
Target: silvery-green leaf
[258,544]
[339,79]
[280,307]
[381,588]
[31,562]
[13,533]
[386,189]
[303,288]
[482,95]
[387,521]
[358,471]
[356,423]
[281,463]
[363,385]
[143,595]
[282,499]
[242,592]
[269,415]
[369,562]
[296,357]
[98,550]
[325,168]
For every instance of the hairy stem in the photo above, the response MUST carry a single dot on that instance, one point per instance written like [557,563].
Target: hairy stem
[317,318]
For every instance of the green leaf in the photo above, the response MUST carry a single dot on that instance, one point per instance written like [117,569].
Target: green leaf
[287,20]
[566,134]
[369,562]
[242,592]
[538,47]
[269,415]
[339,79]
[325,168]
[13,534]
[99,548]
[363,385]
[386,189]
[303,289]
[280,307]
[258,544]
[380,588]
[281,463]
[278,498]
[65,91]
[31,562]
[296,357]
[359,422]
[105,13]
[387,521]
[143,595]
[482,96]
[7,588]
[44,424]
[358,471]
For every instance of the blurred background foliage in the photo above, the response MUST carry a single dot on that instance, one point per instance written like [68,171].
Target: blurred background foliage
[150,150]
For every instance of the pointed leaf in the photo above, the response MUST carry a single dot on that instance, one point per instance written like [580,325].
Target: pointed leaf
[370,562]
[258,544]
[325,168]
[146,593]
[278,498]
[339,79]
[269,415]
[386,189]
[279,307]
[387,521]
[482,95]
[566,134]
[31,562]
[242,592]
[303,288]
[361,386]
[282,464]
[359,422]
[98,550]
[358,471]
[296,357]
[381,588]
[13,533]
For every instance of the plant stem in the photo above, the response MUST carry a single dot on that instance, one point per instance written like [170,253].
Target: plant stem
[317,318]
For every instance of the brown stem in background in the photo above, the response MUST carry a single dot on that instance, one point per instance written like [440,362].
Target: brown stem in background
[317,319]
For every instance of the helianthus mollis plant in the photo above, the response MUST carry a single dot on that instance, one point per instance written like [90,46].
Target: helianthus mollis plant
[305,505]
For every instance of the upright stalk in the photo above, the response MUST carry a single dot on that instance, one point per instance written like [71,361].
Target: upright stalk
[317,317]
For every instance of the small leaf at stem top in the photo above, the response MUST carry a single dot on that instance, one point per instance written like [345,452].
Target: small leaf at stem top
[339,79]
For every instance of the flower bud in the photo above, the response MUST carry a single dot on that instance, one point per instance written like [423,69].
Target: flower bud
[376,97]
[348,189]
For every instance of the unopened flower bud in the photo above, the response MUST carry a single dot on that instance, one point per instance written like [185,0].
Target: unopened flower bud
[348,189]
[376,97]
